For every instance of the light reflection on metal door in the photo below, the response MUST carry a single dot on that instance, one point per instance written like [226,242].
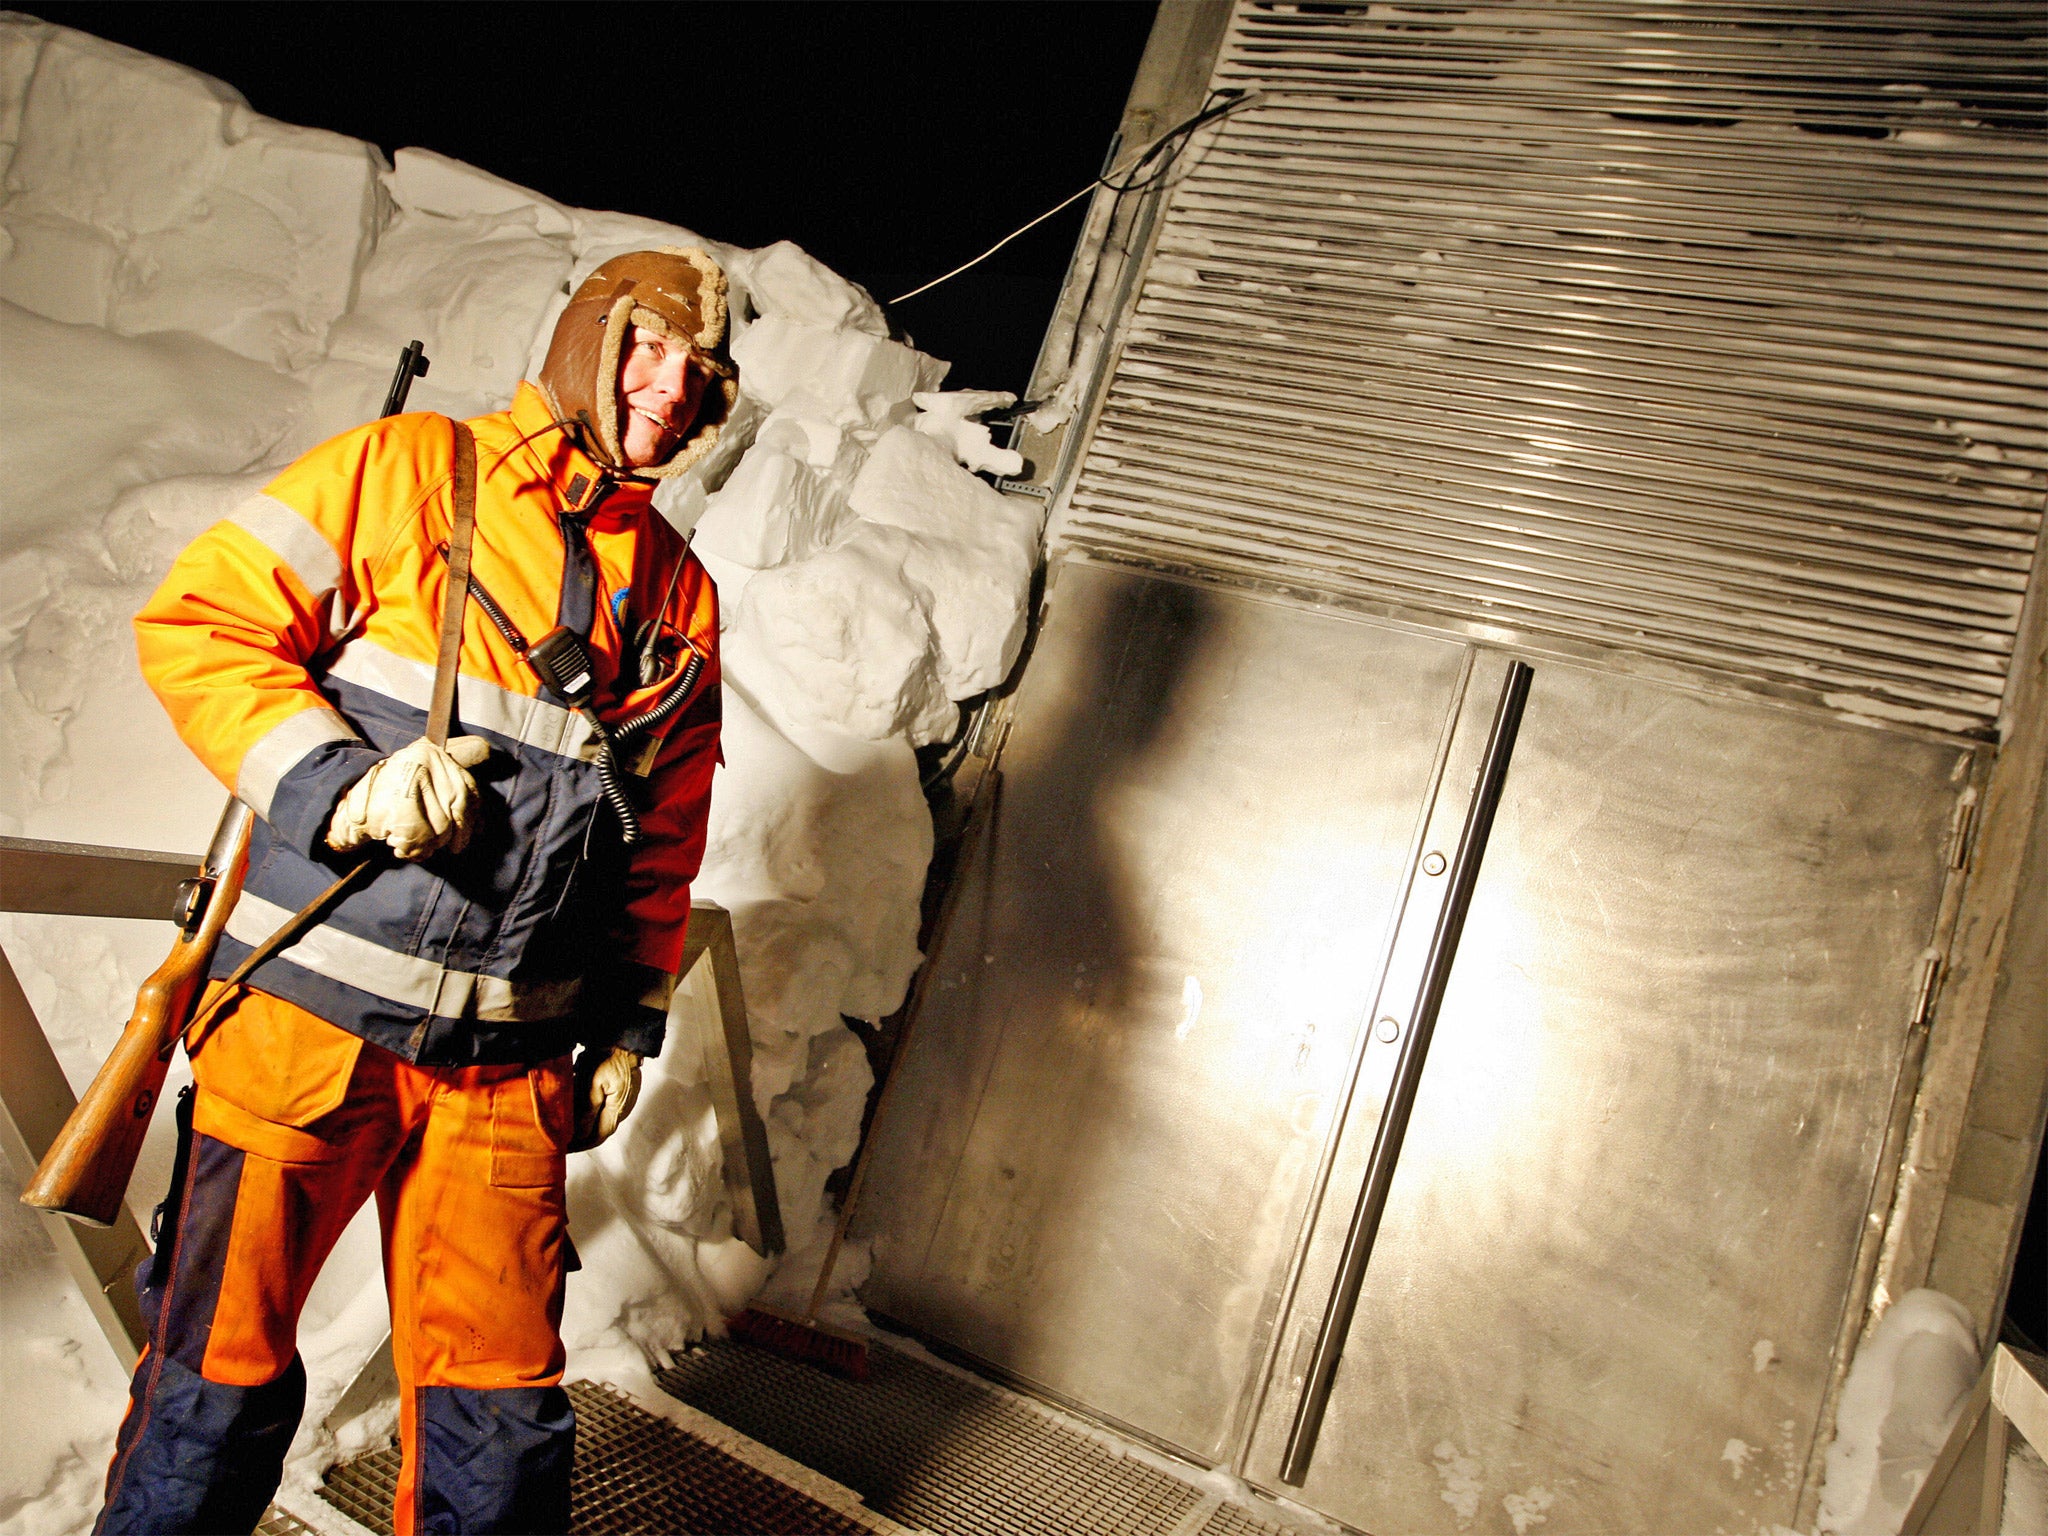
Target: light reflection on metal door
[1625,1221]
[1146,1009]
[1623,1231]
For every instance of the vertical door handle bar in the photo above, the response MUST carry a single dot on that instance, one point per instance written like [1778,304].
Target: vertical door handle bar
[1393,1126]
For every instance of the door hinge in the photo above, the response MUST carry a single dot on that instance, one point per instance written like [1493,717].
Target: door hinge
[1960,827]
[1925,994]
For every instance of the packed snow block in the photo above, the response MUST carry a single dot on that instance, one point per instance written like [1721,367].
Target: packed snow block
[833,454]
[794,969]
[425,182]
[58,268]
[473,287]
[342,394]
[813,1128]
[819,444]
[840,376]
[669,1167]
[786,281]
[834,834]
[843,639]
[90,414]
[118,139]
[774,510]
[972,550]
[226,223]
[26,578]
[21,43]
[79,716]
[949,416]
[266,260]
[680,500]
[149,524]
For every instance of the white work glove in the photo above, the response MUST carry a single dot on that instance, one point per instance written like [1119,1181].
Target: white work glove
[420,800]
[607,1084]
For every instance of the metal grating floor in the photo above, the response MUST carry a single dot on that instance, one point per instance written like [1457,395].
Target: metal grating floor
[934,1449]
[635,1473]
[1230,1520]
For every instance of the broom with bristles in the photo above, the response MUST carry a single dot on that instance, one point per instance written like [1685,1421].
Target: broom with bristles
[803,1337]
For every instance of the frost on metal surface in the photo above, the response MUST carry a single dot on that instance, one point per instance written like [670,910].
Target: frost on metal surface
[192,294]
[1713,334]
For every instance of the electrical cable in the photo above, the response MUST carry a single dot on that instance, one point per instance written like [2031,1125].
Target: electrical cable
[1212,110]
[610,738]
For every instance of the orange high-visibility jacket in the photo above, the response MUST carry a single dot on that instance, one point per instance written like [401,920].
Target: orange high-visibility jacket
[294,643]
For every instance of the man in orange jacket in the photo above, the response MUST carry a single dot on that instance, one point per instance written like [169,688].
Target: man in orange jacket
[527,900]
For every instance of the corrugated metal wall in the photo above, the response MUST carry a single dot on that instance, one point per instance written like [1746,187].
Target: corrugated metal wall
[1713,333]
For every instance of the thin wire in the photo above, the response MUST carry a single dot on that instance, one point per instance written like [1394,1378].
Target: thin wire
[984,256]
[1211,110]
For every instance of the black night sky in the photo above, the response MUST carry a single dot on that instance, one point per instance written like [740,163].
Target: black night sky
[891,140]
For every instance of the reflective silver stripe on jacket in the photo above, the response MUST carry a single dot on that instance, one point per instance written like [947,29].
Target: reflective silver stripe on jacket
[407,979]
[303,548]
[281,749]
[483,706]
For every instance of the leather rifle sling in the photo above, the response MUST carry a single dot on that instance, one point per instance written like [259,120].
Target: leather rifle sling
[442,709]
[440,713]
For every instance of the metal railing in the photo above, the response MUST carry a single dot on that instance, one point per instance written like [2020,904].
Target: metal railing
[1965,1489]
[74,880]
[87,880]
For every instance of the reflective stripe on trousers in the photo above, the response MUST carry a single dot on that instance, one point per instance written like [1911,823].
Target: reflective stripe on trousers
[297,1123]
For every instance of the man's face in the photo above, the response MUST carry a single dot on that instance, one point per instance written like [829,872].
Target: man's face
[661,381]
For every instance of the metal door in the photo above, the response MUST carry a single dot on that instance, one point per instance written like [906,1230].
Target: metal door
[1632,1200]
[1146,1007]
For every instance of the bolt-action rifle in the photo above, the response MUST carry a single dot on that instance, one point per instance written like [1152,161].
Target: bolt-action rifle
[85,1173]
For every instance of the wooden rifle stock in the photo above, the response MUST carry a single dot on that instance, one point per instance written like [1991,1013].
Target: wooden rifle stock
[85,1173]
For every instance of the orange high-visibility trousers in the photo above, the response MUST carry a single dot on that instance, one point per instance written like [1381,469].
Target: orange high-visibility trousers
[295,1123]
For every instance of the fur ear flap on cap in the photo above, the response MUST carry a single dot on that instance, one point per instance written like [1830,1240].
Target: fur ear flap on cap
[709,337]
[678,291]
[616,322]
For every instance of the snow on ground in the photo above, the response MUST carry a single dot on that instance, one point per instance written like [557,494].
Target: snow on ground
[2026,1493]
[1908,1384]
[190,295]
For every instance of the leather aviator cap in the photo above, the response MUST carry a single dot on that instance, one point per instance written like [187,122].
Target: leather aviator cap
[679,292]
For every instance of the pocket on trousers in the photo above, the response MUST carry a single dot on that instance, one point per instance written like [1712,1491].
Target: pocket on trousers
[267,1072]
[531,1118]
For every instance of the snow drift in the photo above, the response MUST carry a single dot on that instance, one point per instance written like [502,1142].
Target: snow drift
[190,295]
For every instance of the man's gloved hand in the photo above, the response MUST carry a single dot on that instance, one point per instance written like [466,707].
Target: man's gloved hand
[607,1084]
[420,800]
